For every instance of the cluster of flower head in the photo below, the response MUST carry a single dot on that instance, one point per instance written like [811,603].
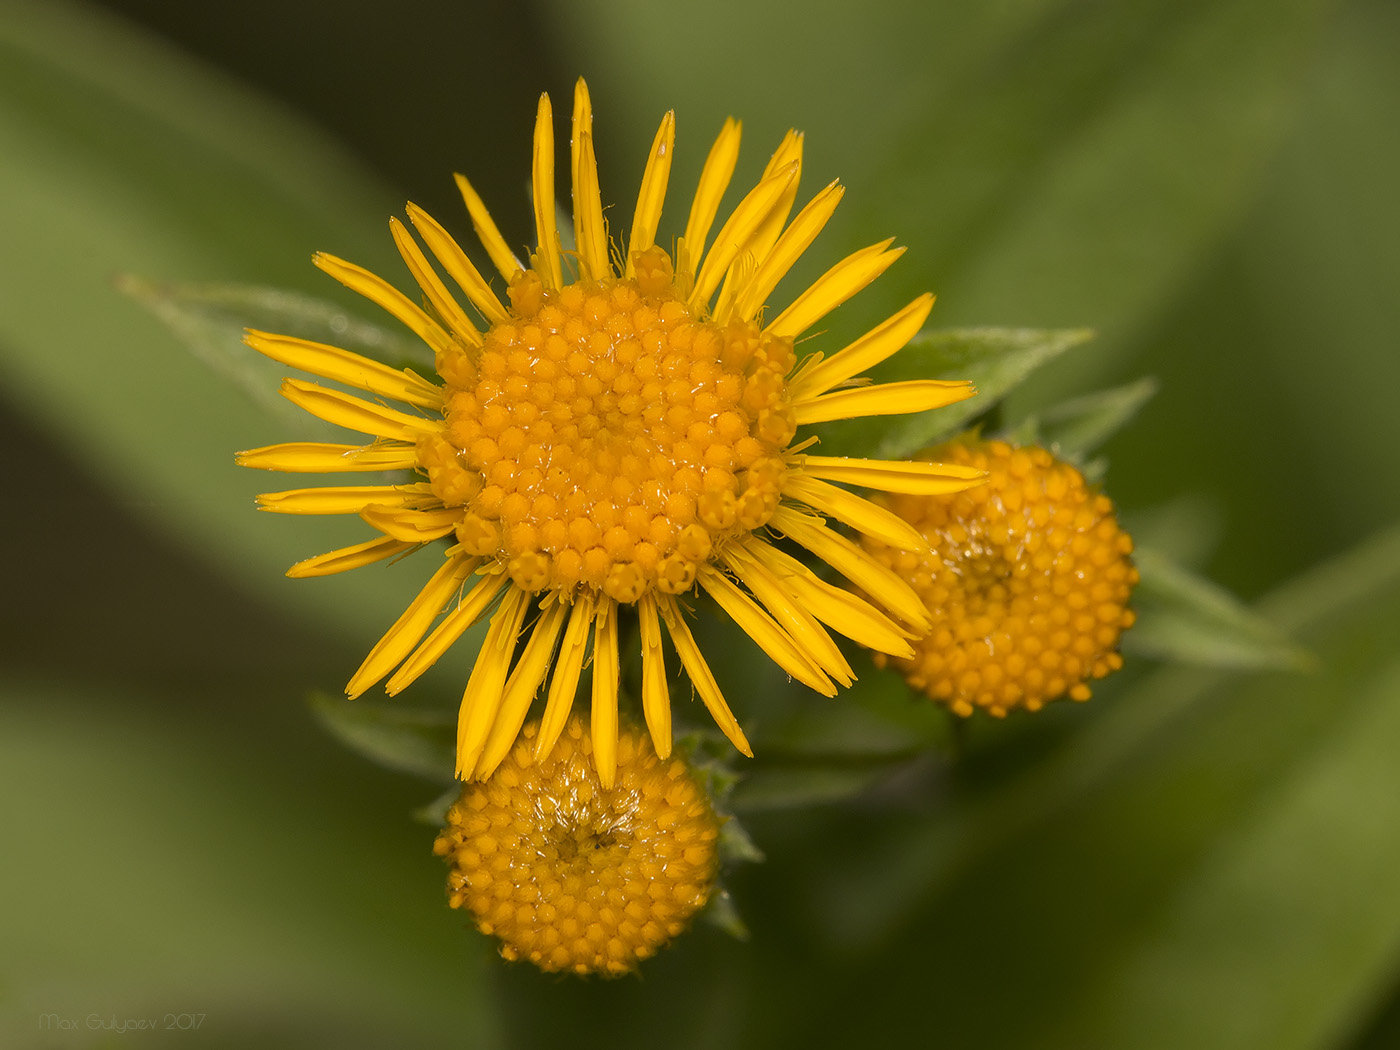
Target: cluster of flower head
[1027,579]
[619,438]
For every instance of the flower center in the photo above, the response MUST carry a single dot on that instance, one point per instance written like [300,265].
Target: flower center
[984,569]
[587,848]
[609,438]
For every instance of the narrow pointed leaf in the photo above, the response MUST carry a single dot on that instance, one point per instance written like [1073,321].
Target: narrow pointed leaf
[410,740]
[1073,429]
[994,360]
[1188,619]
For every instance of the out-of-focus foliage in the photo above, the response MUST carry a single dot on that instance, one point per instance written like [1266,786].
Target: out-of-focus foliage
[1197,857]
[119,158]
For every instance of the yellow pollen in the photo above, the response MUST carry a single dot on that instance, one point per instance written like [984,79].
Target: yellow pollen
[1027,579]
[575,876]
[608,437]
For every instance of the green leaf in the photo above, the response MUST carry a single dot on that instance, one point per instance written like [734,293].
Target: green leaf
[736,846]
[722,912]
[1187,618]
[434,813]
[790,782]
[410,740]
[1184,529]
[994,360]
[1075,428]
[210,320]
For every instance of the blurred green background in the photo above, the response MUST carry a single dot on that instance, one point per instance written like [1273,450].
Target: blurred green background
[1199,857]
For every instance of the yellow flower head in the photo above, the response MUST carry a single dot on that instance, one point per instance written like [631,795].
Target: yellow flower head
[1028,579]
[616,431]
[574,875]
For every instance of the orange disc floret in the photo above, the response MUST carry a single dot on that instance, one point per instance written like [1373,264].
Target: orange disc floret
[607,422]
[575,876]
[1027,580]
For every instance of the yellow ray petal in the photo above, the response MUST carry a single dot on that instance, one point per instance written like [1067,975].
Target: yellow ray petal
[761,241]
[481,700]
[797,622]
[789,152]
[740,273]
[604,707]
[890,475]
[883,399]
[859,513]
[353,413]
[564,684]
[700,675]
[341,499]
[869,350]
[520,690]
[834,606]
[341,366]
[542,184]
[345,558]
[470,608]
[454,260]
[758,625]
[590,235]
[653,192]
[412,625]
[833,288]
[496,248]
[795,240]
[854,564]
[319,457]
[857,619]
[714,180]
[656,695]
[413,526]
[750,213]
[436,292]
[385,295]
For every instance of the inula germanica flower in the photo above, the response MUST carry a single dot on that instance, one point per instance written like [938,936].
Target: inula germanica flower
[1027,578]
[616,431]
[575,875]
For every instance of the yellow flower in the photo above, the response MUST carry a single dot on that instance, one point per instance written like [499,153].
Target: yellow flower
[615,437]
[1028,579]
[575,875]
